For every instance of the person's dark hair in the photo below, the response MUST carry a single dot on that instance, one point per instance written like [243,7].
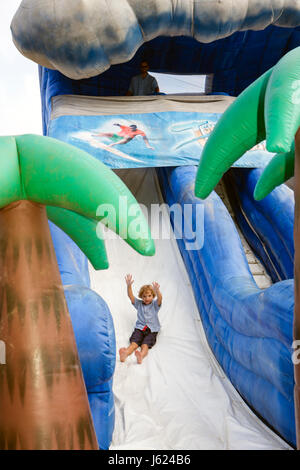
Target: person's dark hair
[133,126]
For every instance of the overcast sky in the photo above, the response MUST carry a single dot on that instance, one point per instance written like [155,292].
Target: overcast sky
[20,108]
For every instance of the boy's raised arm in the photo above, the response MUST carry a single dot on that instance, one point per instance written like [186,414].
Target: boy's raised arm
[156,288]
[129,282]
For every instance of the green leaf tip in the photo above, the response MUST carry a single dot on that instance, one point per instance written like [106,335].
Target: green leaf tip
[60,175]
[279,170]
[239,129]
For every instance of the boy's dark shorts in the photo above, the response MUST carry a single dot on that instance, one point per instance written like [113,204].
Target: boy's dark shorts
[140,337]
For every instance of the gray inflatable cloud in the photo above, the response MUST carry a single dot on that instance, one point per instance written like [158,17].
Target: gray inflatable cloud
[82,39]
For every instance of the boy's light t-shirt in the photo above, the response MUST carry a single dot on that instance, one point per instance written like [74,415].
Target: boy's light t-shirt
[147,315]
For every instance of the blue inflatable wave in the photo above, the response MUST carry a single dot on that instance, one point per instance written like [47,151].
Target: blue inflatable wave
[268,224]
[83,39]
[248,329]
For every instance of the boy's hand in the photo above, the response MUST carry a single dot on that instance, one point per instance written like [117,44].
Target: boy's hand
[129,280]
[155,286]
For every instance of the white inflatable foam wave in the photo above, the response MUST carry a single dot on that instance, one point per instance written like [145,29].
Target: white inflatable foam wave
[83,38]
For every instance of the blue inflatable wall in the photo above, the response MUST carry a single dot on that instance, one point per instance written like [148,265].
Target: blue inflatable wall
[268,224]
[248,329]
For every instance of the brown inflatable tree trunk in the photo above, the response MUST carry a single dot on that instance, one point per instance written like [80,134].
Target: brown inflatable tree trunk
[297,281]
[43,400]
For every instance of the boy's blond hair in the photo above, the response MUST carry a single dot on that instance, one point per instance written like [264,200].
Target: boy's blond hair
[145,288]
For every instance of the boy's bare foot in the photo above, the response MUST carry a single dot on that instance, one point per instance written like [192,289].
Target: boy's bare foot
[139,357]
[123,354]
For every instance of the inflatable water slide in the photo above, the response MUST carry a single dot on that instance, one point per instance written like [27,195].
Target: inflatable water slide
[221,374]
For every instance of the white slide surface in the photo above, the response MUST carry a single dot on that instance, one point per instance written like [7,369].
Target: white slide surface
[178,398]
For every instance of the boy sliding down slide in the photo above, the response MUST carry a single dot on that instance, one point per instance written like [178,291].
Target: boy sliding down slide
[147,325]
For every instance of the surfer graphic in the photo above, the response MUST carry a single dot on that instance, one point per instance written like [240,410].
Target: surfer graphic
[125,135]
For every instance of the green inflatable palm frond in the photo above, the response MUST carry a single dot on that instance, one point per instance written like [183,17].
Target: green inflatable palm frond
[268,109]
[74,186]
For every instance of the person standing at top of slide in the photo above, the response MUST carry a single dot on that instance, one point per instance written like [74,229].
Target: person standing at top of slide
[143,84]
